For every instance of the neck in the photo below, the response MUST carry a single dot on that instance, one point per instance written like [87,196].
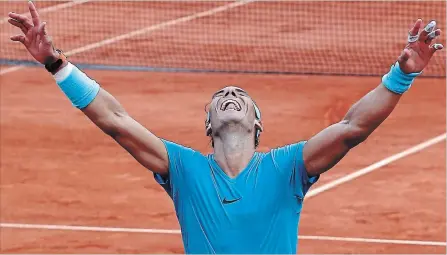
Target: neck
[233,151]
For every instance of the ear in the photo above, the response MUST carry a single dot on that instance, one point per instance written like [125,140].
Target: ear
[208,129]
[258,125]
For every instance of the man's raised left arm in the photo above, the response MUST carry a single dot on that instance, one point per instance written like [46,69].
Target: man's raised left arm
[328,147]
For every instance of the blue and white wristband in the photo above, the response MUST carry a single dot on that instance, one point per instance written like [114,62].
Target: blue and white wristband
[77,86]
[397,81]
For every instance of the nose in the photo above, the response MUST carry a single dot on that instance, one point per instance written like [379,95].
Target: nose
[230,91]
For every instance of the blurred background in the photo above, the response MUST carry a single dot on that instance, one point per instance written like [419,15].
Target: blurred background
[295,37]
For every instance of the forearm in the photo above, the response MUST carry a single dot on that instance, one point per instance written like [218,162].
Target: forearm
[370,111]
[85,94]
[108,114]
[329,146]
[105,111]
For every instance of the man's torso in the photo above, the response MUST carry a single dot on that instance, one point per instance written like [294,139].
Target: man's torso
[256,212]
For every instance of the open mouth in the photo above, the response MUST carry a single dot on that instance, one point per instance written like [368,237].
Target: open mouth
[230,104]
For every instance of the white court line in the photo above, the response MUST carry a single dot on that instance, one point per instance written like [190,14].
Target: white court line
[143,31]
[375,166]
[51,8]
[174,231]
[372,240]
[10,69]
[85,228]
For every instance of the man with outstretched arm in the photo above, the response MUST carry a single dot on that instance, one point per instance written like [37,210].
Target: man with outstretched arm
[235,200]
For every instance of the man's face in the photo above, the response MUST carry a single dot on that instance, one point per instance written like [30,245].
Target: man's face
[232,106]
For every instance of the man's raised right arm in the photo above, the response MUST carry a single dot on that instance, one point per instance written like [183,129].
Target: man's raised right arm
[96,103]
[107,113]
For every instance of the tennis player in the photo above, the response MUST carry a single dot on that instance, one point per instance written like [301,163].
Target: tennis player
[235,200]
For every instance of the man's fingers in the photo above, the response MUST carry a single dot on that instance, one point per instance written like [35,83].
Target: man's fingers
[34,14]
[45,37]
[433,34]
[413,34]
[38,40]
[404,56]
[40,29]
[22,19]
[44,29]
[435,47]
[42,32]
[430,27]
[415,29]
[18,38]
[18,24]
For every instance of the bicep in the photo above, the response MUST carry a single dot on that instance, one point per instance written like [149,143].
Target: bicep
[144,146]
[108,114]
[328,147]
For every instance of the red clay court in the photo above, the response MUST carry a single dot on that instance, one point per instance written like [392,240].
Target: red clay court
[68,188]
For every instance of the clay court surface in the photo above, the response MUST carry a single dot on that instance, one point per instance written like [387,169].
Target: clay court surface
[57,168]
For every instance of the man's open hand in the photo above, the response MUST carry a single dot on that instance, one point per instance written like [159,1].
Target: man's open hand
[419,49]
[34,37]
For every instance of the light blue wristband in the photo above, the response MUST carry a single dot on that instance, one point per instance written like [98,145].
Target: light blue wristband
[77,86]
[397,81]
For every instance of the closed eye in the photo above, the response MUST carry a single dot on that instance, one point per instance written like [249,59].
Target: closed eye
[242,92]
[218,93]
